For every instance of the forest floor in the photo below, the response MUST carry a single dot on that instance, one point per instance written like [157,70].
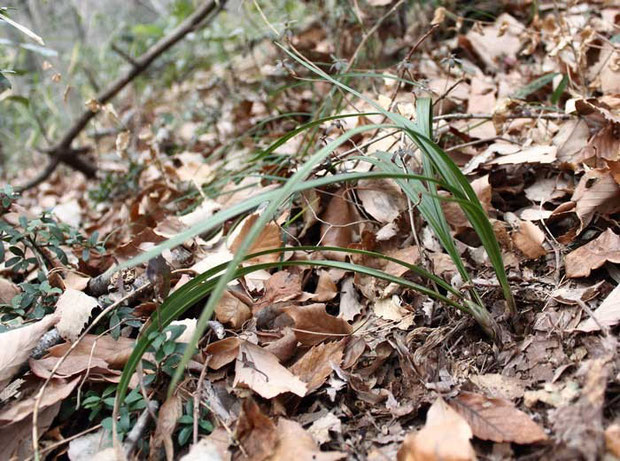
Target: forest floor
[324,363]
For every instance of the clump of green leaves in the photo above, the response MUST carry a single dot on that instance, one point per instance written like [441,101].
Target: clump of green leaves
[30,245]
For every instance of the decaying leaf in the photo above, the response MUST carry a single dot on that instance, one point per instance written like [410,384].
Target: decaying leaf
[260,370]
[592,255]
[17,344]
[74,309]
[497,419]
[318,363]
[445,437]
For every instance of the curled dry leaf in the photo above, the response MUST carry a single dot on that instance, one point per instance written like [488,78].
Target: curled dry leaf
[74,309]
[317,364]
[529,239]
[223,352]
[592,255]
[607,314]
[497,419]
[314,325]
[269,239]
[232,311]
[167,419]
[337,224]
[260,370]
[16,346]
[444,437]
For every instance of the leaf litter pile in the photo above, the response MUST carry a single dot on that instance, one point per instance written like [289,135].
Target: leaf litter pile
[308,353]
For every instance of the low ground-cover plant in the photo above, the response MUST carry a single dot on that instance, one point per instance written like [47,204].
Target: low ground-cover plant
[439,172]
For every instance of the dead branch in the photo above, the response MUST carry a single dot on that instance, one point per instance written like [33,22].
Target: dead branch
[62,152]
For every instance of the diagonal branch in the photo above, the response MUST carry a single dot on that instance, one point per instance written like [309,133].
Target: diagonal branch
[62,152]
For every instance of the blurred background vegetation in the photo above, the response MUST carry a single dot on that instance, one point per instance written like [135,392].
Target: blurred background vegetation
[87,43]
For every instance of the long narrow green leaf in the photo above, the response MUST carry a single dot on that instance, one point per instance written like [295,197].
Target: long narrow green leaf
[447,169]
[192,292]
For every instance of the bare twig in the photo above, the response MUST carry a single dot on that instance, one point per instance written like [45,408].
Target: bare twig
[62,152]
[141,424]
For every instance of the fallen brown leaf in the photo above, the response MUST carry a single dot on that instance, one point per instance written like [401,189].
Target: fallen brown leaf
[592,255]
[260,370]
[529,239]
[497,419]
[232,311]
[337,225]
[444,437]
[268,239]
[317,364]
[314,325]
